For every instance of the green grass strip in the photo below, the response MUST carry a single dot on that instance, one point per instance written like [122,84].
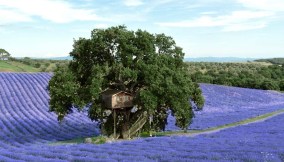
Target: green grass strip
[243,122]
[13,66]
[93,140]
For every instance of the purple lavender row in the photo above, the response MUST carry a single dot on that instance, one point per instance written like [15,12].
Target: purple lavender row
[38,104]
[24,120]
[225,105]
[8,118]
[75,120]
[26,103]
[243,143]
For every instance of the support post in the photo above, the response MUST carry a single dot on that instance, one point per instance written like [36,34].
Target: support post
[150,121]
[114,123]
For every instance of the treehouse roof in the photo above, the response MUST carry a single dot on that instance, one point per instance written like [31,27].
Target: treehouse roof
[111,92]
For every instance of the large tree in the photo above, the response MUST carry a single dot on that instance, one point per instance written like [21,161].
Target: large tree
[148,66]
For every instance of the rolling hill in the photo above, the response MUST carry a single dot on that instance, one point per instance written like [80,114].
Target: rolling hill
[14,66]
[277,61]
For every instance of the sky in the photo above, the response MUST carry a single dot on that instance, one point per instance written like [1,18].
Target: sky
[203,28]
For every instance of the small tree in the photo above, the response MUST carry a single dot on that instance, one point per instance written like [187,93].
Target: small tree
[281,85]
[4,55]
[150,67]
[270,85]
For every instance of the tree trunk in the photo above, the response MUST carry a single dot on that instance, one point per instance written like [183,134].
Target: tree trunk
[126,123]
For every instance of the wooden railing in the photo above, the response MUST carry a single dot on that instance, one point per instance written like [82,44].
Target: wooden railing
[142,119]
[131,132]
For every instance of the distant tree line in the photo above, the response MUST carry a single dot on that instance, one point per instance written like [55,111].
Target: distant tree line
[278,61]
[247,75]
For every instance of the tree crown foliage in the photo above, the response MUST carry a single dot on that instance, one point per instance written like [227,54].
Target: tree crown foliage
[4,54]
[148,66]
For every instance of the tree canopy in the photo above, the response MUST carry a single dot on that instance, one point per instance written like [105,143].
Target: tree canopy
[148,66]
[4,54]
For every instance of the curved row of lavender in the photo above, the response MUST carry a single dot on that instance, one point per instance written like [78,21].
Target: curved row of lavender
[26,128]
[24,115]
[224,105]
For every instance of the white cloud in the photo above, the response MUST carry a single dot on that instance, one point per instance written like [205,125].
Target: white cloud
[236,21]
[208,13]
[247,15]
[57,11]
[243,27]
[7,17]
[102,26]
[203,21]
[267,5]
[132,3]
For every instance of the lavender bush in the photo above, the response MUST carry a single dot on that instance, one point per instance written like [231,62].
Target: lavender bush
[27,128]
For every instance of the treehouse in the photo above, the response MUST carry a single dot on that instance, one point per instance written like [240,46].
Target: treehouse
[116,99]
[120,102]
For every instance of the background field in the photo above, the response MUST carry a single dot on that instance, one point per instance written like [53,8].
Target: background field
[14,66]
[30,65]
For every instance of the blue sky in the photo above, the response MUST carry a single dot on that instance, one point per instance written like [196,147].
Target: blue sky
[203,28]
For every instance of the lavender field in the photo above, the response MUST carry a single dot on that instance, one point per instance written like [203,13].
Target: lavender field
[232,104]
[27,129]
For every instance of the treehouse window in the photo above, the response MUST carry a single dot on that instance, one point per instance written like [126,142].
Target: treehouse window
[126,98]
[119,98]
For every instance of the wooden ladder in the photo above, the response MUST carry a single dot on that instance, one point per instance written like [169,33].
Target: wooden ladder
[139,123]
